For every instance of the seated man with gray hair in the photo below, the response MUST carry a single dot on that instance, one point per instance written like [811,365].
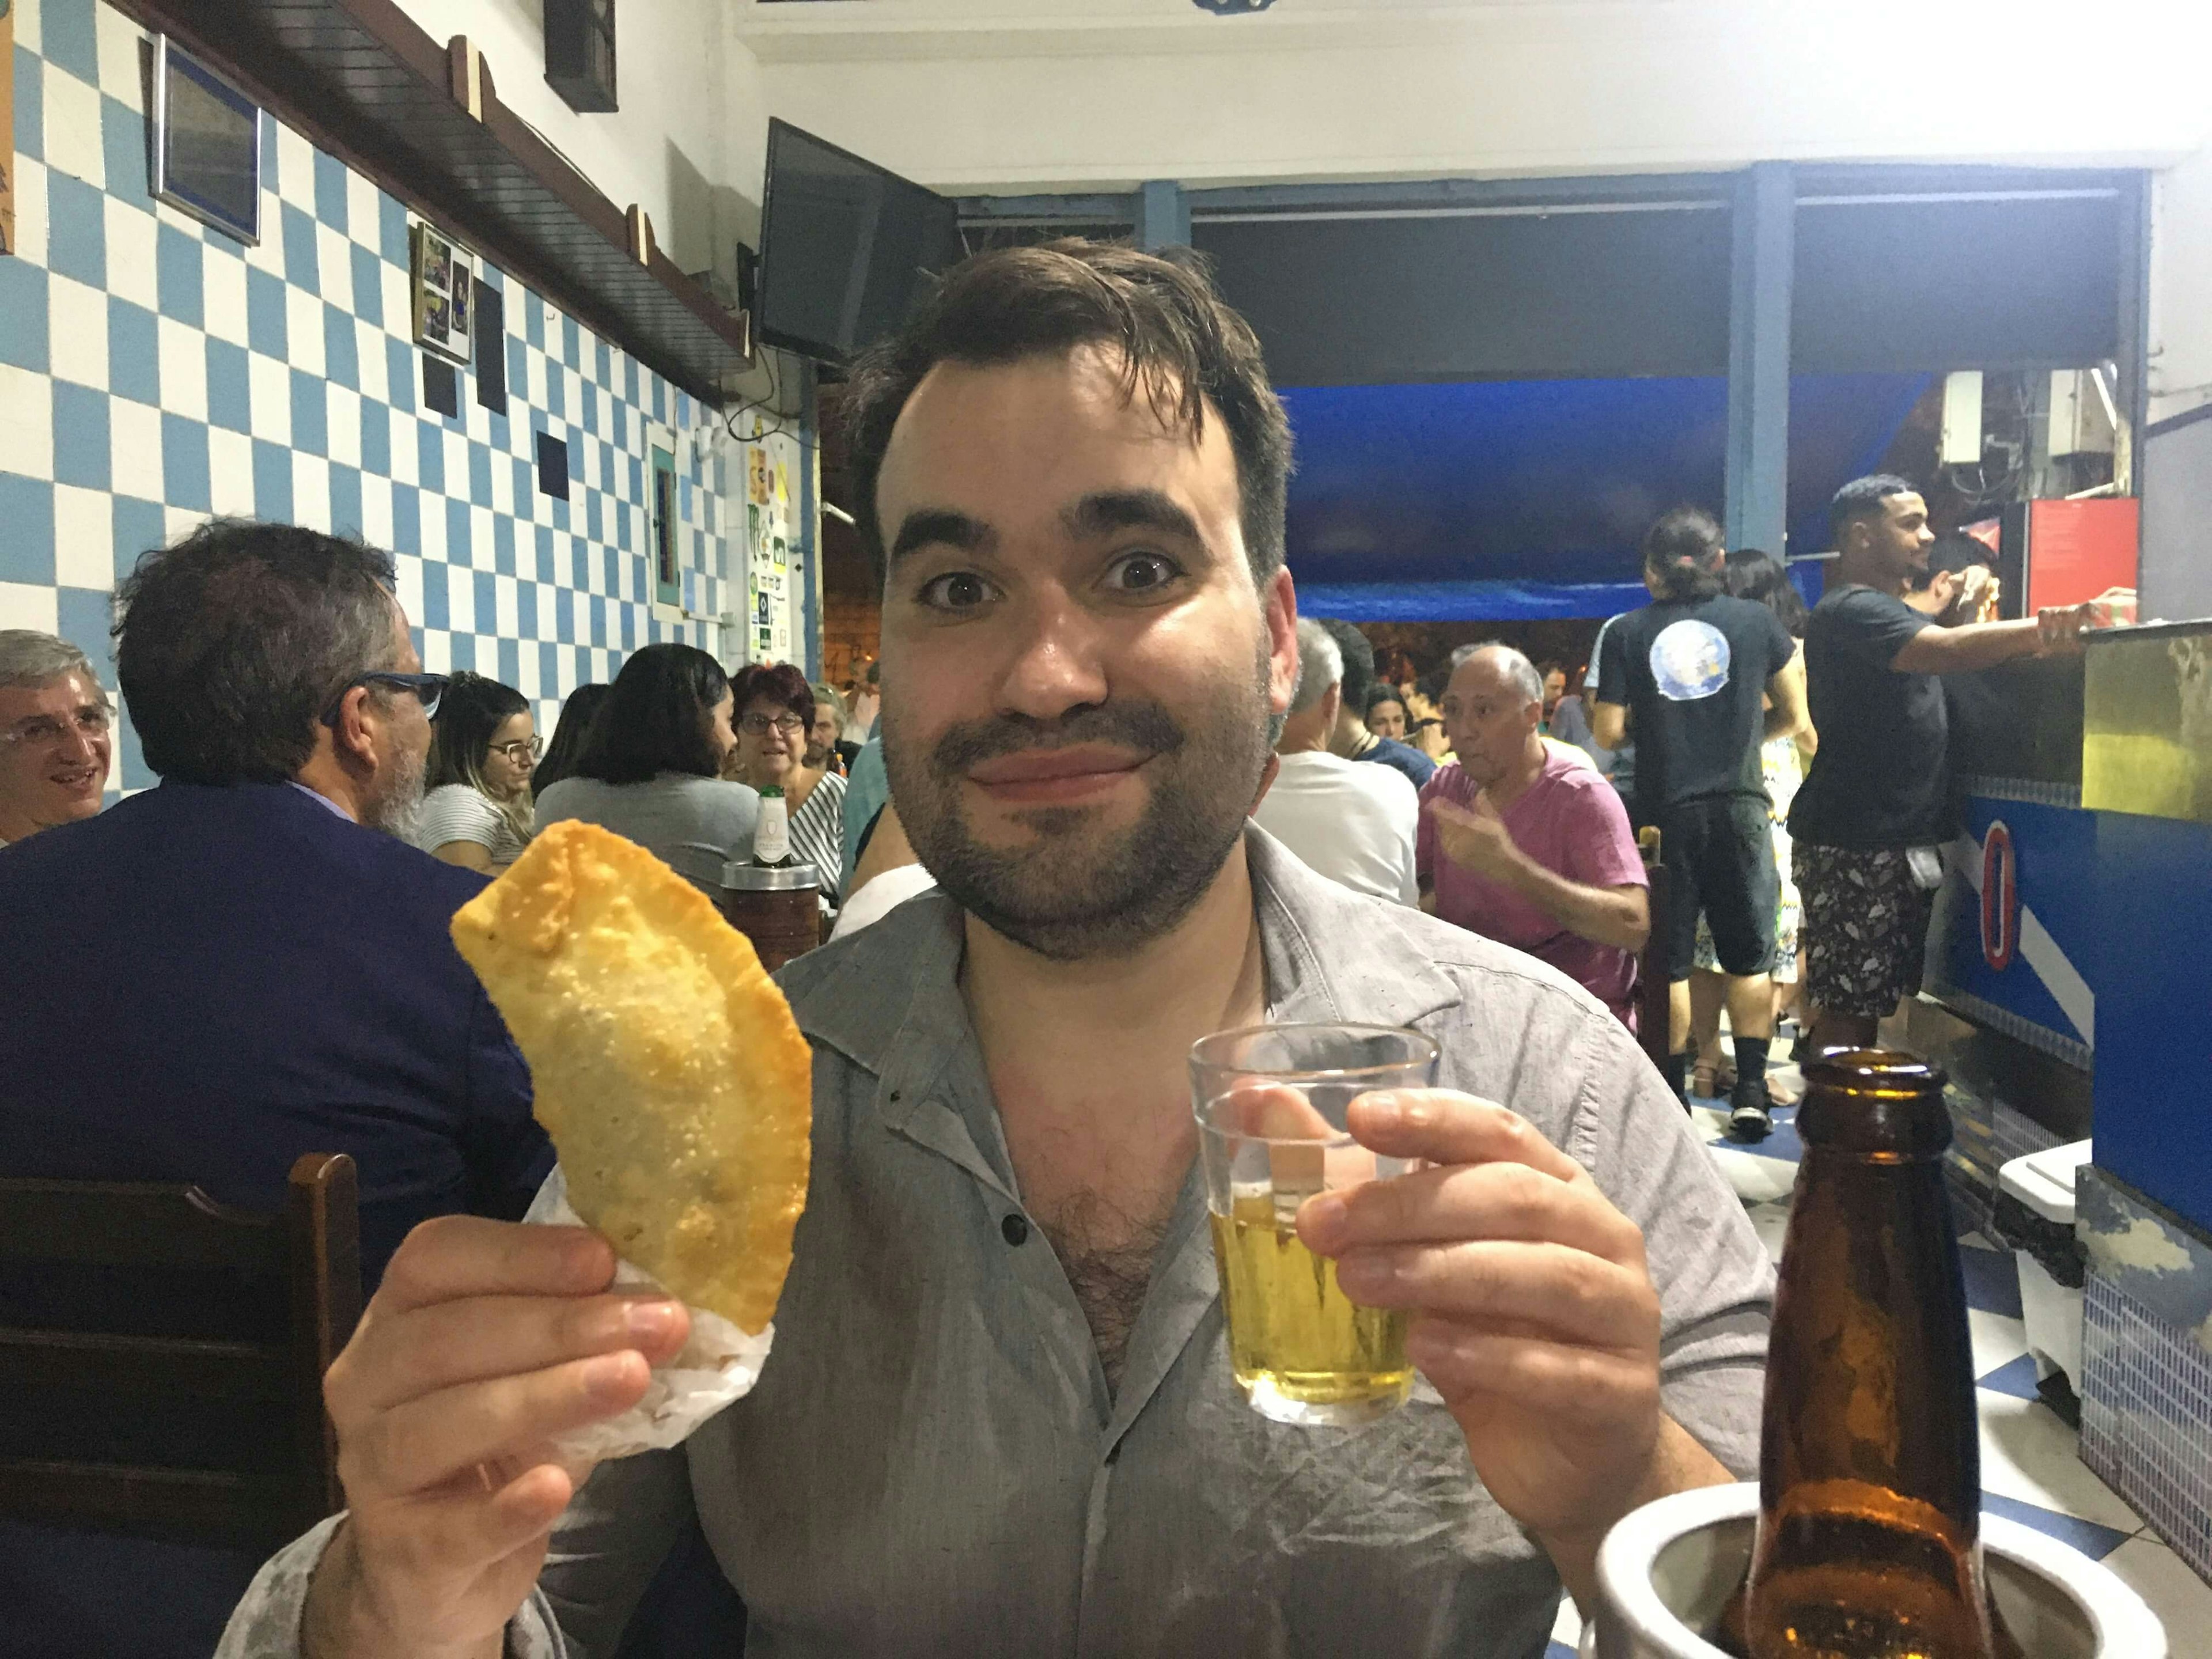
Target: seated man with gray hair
[56,734]
[1526,845]
[1352,823]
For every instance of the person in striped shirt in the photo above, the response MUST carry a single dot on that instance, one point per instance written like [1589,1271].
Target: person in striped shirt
[776,714]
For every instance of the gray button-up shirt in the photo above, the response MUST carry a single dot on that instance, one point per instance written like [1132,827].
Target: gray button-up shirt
[933,1463]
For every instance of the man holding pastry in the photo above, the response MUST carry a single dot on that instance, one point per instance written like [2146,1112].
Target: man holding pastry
[999,1415]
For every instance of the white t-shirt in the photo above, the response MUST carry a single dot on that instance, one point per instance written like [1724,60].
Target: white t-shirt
[454,811]
[1352,821]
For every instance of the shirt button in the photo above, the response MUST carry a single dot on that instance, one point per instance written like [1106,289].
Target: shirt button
[1015,1229]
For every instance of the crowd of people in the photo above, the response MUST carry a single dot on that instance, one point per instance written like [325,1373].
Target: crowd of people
[1066,829]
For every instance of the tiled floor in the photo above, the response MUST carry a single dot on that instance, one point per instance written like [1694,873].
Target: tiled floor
[2030,1472]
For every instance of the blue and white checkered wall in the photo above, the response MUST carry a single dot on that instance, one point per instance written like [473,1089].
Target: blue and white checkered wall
[153,372]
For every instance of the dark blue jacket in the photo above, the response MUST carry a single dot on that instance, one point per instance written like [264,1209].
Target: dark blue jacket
[202,983]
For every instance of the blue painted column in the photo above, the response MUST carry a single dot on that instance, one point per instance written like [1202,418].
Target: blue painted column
[1163,215]
[1765,238]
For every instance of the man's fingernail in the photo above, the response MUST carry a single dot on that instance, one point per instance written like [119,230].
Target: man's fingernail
[1365,1273]
[1322,1217]
[650,1321]
[609,1376]
[1385,1109]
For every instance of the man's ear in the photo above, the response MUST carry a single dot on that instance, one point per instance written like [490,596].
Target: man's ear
[1332,705]
[358,731]
[1280,606]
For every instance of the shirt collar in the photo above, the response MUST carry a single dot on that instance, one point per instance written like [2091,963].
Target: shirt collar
[322,800]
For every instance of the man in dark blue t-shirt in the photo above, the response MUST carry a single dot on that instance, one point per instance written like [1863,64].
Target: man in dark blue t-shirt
[1876,805]
[1703,679]
[1352,740]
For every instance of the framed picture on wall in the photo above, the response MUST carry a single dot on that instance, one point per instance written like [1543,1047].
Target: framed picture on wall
[444,276]
[206,143]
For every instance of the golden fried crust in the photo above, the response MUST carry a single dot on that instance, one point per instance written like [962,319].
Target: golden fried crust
[668,1070]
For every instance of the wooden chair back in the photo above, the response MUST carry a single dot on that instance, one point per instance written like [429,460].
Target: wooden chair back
[1652,985]
[174,1389]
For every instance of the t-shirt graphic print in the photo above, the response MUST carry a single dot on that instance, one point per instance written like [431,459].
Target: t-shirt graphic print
[1689,660]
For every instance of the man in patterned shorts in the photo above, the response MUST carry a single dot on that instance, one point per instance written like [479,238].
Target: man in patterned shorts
[1877,805]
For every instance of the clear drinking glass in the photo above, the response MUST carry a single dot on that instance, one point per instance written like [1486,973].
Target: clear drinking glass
[1271,1104]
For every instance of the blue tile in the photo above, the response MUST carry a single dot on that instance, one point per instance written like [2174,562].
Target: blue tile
[502,544]
[571,343]
[185,464]
[598,619]
[266,327]
[487,598]
[391,229]
[375,437]
[545,572]
[310,413]
[26,530]
[2093,1540]
[606,376]
[302,261]
[30,107]
[341,348]
[81,616]
[556,402]
[526,610]
[272,175]
[1992,1280]
[1558,1651]
[430,458]
[331,190]
[579,567]
[272,482]
[399,375]
[367,286]
[549,667]
[459,550]
[435,611]
[609,571]
[229,386]
[76,230]
[69,39]
[526,489]
[178,274]
[464,653]
[510,662]
[2016,1379]
[134,352]
[123,150]
[407,522]
[479,474]
[533,324]
[345,499]
[81,436]
[140,527]
[137,774]
[23,315]
[564,615]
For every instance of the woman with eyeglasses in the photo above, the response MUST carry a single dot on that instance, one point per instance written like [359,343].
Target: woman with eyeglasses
[775,718]
[650,766]
[477,804]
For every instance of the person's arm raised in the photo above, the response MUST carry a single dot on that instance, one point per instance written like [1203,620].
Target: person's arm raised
[1478,841]
[1937,650]
[485,1340]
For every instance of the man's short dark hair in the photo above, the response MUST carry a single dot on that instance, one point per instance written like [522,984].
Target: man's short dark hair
[1956,551]
[1358,663]
[1182,348]
[231,644]
[655,717]
[1683,552]
[1863,498]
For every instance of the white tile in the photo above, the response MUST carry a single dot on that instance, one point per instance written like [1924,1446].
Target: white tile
[27,605]
[76,332]
[179,522]
[120,42]
[134,432]
[437,651]
[334,261]
[73,139]
[409,584]
[310,491]
[507,621]
[364,210]
[130,270]
[84,537]
[1997,1339]
[533,378]
[2028,1454]
[2182,1600]
[269,385]
[27,423]
[406,460]
[184,368]
[343,424]
[295,169]
[502,483]
[28,33]
[230,472]
[375,510]
[369,352]
[223,295]
[457,461]
[398,301]
[30,211]
[431,510]
[1756,1180]
[460,598]
[303,330]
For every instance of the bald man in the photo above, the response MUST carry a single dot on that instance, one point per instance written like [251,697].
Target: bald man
[1528,846]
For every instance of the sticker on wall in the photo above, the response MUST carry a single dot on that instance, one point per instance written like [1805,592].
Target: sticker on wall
[442,276]
[756,489]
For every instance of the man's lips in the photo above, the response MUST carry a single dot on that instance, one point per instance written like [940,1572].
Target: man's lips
[79,779]
[1054,774]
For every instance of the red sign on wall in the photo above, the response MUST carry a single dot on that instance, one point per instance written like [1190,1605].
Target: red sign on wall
[2000,898]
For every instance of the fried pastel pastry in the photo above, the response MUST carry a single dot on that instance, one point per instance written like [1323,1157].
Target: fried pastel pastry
[666,1066]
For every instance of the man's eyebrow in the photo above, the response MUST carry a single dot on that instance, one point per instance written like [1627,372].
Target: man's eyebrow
[1102,512]
[941,526]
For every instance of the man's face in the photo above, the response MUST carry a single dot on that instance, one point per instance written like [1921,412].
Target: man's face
[1080,672]
[824,736]
[55,742]
[1488,719]
[393,798]
[1555,687]
[1898,539]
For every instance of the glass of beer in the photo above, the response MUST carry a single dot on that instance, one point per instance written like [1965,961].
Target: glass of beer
[1270,1103]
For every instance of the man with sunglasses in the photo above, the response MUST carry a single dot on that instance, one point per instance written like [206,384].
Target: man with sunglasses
[242,965]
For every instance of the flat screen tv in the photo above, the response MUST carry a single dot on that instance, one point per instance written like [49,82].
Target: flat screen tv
[847,248]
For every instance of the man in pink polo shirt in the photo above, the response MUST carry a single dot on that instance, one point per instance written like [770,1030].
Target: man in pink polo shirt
[1528,846]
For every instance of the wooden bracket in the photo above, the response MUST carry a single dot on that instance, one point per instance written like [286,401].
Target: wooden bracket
[468,77]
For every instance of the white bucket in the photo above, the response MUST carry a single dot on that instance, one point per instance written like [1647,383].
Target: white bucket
[1666,1571]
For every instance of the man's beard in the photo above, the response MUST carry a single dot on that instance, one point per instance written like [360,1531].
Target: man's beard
[1077,891]
[397,807]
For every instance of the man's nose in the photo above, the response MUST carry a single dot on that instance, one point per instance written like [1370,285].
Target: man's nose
[1059,663]
[82,748]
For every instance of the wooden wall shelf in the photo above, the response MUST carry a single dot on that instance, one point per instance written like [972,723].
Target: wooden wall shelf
[359,78]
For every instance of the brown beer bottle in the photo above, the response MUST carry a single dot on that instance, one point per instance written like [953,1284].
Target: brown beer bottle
[1869,1469]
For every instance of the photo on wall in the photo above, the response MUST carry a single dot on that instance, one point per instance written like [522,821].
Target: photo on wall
[206,143]
[442,274]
